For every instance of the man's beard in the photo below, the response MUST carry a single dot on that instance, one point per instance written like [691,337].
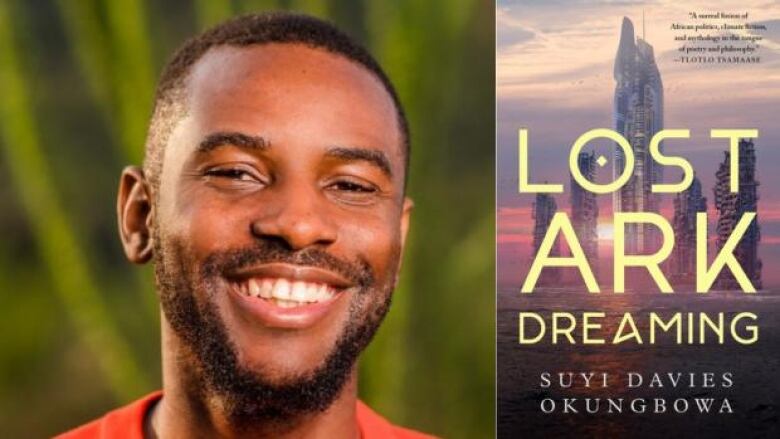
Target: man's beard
[187,295]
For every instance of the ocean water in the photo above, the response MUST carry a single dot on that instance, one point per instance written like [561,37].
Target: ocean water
[754,395]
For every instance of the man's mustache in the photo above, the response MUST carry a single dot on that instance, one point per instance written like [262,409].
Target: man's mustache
[269,251]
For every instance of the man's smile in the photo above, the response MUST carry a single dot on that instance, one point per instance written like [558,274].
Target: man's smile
[283,295]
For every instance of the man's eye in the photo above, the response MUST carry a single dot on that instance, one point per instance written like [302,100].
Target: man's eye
[232,174]
[349,186]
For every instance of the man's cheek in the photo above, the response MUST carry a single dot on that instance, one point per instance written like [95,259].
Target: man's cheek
[380,249]
[211,228]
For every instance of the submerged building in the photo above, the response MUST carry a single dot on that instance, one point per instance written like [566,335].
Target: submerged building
[731,206]
[638,115]
[585,210]
[687,204]
[544,209]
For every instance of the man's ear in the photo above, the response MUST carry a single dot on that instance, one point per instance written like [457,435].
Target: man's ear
[406,214]
[134,211]
[405,218]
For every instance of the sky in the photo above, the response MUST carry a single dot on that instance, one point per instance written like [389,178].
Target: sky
[554,76]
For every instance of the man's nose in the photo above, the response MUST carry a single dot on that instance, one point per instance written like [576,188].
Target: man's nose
[297,217]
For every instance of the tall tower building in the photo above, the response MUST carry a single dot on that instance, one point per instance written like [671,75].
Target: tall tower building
[544,209]
[638,115]
[731,206]
[686,205]
[585,210]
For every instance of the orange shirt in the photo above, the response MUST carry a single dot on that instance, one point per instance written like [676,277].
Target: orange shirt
[127,423]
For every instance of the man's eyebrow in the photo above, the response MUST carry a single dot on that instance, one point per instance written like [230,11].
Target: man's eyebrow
[225,138]
[373,156]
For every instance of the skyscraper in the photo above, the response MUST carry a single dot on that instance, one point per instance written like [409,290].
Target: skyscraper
[585,210]
[731,206]
[687,204]
[543,210]
[638,115]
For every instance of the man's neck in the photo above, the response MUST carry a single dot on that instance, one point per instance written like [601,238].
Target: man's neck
[184,411]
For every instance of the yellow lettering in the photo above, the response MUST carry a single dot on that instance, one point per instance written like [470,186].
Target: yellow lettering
[706,277]
[597,188]
[560,223]
[651,262]
[524,186]
[655,152]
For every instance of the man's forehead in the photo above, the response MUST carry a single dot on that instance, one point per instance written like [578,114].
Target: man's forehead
[227,69]
[287,79]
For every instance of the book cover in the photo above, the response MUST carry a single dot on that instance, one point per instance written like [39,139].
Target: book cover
[638,218]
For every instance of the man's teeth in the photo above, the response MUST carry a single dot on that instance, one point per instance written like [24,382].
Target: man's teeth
[285,293]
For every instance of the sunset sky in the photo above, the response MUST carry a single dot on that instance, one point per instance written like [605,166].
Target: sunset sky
[554,77]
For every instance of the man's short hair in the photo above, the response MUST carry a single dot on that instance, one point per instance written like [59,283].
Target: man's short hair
[247,30]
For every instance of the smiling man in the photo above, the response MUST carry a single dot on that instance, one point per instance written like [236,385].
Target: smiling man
[271,202]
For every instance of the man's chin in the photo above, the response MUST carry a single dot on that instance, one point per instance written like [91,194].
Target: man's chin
[264,374]
[283,355]
[281,387]
[282,370]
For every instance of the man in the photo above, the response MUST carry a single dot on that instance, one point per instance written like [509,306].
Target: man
[272,204]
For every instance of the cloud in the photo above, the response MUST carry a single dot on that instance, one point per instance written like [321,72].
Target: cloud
[772,30]
[509,31]
[512,36]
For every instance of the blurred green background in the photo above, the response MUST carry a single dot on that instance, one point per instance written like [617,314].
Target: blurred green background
[79,326]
